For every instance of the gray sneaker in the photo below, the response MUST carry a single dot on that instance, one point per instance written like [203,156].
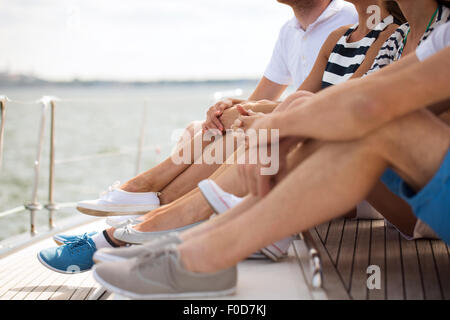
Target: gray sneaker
[130,235]
[124,253]
[160,275]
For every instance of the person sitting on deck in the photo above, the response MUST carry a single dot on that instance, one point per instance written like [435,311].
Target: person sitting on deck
[313,23]
[128,235]
[383,126]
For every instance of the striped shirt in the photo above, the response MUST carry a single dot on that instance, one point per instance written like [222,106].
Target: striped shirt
[392,48]
[346,57]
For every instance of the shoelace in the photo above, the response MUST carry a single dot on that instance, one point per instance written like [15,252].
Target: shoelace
[128,229]
[154,257]
[80,242]
[111,188]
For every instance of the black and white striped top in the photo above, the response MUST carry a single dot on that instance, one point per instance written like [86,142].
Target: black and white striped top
[392,48]
[346,57]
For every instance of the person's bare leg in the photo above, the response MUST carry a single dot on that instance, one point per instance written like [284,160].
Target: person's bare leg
[344,172]
[190,208]
[193,207]
[156,178]
[167,177]
[393,208]
[189,178]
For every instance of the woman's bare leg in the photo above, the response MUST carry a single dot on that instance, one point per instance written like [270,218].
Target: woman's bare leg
[169,178]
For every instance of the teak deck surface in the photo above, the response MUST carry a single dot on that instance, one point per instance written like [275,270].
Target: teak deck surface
[411,270]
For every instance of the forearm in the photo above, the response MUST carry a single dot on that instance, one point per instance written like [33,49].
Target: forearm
[355,108]
[267,89]
[264,106]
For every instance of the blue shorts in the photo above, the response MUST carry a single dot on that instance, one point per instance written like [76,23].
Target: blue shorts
[432,203]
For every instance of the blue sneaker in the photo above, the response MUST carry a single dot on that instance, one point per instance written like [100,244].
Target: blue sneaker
[72,257]
[61,239]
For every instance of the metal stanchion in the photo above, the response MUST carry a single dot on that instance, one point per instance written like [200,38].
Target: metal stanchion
[35,205]
[2,125]
[141,137]
[51,205]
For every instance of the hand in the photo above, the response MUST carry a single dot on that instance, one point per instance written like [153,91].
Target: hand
[212,121]
[246,119]
[297,96]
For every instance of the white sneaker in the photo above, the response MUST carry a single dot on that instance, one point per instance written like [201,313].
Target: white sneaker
[221,201]
[122,221]
[277,250]
[116,202]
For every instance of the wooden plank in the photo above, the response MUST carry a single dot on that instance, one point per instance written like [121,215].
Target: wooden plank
[430,280]
[332,282]
[70,286]
[32,286]
[394,278]
[53,283]
[85,288]
[377,257]
[25,284]
[16,276]
[442,265]
[322,231]
[358,284]
[411,270]
[334,238]
[347,250]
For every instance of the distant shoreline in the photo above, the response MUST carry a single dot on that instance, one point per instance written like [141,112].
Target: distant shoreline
[30,81]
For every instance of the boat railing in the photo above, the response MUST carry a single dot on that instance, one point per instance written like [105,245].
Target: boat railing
[48,105]
[48,109]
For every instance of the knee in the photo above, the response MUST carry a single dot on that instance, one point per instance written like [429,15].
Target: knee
[194,127]
[408,131]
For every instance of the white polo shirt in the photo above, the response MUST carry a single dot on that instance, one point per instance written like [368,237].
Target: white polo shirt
[437,41]
[296,49]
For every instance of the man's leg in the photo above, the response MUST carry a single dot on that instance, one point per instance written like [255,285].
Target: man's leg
[324,186]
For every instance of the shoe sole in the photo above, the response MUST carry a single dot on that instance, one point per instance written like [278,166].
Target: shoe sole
[257,256]
[210,193]
[269,252]
[143,237]
[137,296]
[45,264]
[100,213]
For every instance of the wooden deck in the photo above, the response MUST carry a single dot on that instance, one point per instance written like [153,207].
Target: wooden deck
[22,277]
[411,270]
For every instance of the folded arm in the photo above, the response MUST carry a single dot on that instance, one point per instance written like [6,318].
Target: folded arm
[357,107]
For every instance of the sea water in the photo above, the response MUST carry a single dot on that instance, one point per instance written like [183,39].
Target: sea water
[97,136]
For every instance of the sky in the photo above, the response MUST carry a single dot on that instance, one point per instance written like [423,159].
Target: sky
[139,40]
